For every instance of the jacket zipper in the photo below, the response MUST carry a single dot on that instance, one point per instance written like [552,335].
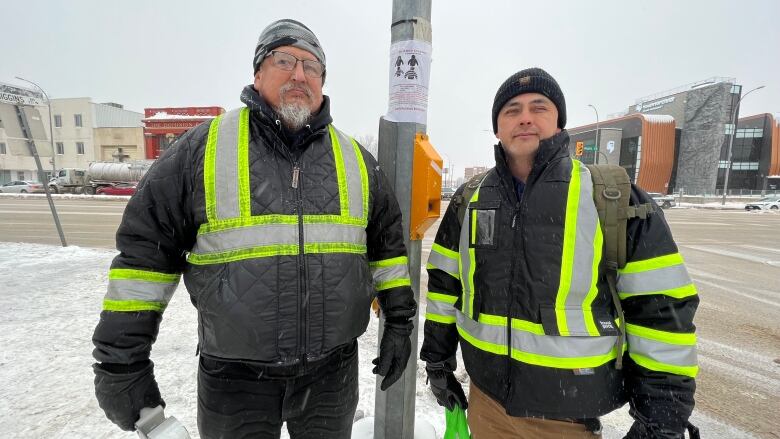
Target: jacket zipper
[303,320]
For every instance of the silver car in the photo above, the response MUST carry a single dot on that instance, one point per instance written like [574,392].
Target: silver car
[22,187]
[771,202]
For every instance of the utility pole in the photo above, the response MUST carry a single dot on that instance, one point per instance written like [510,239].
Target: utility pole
[733,121]
[51,128]
[410,28]
[598,149]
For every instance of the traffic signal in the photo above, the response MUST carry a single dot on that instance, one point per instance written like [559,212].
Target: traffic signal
[580,149]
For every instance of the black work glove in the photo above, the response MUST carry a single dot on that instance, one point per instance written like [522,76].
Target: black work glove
[445,387]
[123,390]
[394,351]
[643,431]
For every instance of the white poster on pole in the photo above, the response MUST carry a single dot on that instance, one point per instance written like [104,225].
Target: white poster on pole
[410,73]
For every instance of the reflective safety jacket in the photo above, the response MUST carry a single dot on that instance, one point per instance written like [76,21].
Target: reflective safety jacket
[282,246]
[521,286]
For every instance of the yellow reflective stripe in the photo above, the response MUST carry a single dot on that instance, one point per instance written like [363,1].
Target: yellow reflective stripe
[563,363]
[363,176]
[243,163]
[649,363]
[688,339]
[677,293]
[392,284]
[439,297]
[492,320]
[473,226]
[444,251]
[470,280]
[569,239]
[341,173]
[587,313]
[653,263]
[209,170]
[447,320]
[525,325]
[399,260]
[273,250]
[132,305]
[142,275]
[483,345]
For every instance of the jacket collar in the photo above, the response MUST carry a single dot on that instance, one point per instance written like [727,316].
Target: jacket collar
[268,116]
[550,149]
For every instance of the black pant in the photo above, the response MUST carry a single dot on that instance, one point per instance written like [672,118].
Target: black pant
[240,400]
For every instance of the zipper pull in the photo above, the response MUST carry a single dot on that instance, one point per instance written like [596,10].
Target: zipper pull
[296,171]
[514,217]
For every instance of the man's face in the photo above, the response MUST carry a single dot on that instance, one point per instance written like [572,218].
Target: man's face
[279,87]
[524,121]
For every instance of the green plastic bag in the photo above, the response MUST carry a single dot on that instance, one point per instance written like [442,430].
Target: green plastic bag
[457,426]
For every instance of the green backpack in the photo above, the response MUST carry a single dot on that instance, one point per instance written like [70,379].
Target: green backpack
[611,193]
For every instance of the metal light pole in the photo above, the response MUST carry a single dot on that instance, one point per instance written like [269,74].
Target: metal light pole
[598,149]
[731,142]
[51,126]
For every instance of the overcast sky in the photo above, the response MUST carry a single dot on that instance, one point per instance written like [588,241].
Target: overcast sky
[199,53]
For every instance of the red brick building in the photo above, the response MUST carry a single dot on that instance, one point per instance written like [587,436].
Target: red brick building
[164,125]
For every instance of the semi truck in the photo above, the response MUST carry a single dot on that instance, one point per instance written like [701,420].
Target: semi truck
[97,175]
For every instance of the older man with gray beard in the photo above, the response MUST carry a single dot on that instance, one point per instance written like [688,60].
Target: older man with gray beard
[285,230]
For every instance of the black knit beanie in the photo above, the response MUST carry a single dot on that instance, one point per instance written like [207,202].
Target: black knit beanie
[533,80]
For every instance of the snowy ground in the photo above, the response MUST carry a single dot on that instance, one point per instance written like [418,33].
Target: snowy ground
[51,299]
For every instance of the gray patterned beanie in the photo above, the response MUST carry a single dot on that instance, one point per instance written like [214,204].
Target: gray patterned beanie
[287,32]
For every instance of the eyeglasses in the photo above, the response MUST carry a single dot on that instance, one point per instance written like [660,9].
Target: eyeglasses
[287,62]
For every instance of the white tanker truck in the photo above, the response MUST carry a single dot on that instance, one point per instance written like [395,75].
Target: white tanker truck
[98,174]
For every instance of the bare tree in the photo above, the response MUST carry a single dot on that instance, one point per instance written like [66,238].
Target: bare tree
[369,141]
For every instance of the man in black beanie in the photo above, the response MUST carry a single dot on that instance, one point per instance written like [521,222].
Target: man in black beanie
[284,230]
[517,278]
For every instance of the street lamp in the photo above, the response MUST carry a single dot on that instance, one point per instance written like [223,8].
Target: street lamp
[731,142]
[596,155]
[51,125]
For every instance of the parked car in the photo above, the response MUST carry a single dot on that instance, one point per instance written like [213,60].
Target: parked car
[22,187]
[665,201]
[117,189]
[771,202]
[447,193]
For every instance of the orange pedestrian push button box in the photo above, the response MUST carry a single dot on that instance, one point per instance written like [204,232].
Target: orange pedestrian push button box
[426,186]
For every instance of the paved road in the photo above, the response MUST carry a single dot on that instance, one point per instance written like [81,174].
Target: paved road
[733,256]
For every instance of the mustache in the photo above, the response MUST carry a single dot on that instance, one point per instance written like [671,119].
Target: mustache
[290,86]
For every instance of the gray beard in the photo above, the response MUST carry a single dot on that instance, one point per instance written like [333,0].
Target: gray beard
[293,116]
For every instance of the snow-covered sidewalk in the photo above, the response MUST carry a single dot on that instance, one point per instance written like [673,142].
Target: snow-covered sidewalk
[51,299]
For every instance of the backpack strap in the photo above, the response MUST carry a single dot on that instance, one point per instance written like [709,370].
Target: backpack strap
[611,194]
[462,201]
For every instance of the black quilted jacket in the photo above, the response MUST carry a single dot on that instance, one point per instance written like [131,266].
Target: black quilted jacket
[278,310]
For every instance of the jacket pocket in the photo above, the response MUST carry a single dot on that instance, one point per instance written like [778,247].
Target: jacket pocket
[484,224]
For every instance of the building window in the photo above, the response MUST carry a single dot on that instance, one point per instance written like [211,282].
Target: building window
[2,149]
[736,89]
[80,148]
[60,148]
[58,120]
[729,128]
[77,120]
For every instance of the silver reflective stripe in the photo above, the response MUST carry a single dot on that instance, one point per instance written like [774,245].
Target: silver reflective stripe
[226,169]
[582,266]
[440,308]
[352,171]
[560,346]
[124,289]
[444,263]
[495,335]
[538,344]
[393,272]
[652,281]
[674,354]
[277,234]
[465,262]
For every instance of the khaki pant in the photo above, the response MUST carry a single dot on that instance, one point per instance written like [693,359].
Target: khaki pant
[488,420]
